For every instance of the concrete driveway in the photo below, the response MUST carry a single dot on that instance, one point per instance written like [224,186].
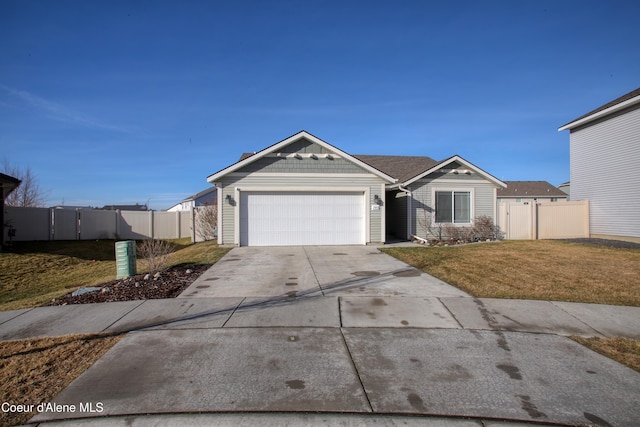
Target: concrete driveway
[314,271]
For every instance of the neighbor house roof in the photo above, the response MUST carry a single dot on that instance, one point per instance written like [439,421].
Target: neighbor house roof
[200,194]
[530,189]
[8,184]
[136,207]
[627,100]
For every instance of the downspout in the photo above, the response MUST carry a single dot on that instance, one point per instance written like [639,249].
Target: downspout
[410,195]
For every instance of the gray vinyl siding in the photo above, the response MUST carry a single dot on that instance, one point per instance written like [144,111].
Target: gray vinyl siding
[604,163]
[229,184]
[304,146]
[423,207]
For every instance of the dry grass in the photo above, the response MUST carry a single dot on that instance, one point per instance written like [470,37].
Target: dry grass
[36,272]
[623,350]
[542,270]
[34,371]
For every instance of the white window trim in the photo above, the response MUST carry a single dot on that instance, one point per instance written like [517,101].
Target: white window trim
[472,205]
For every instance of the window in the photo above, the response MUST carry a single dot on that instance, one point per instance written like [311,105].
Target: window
[453,207]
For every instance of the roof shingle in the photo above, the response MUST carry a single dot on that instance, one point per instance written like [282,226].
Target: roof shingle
[402,168]
[530,189]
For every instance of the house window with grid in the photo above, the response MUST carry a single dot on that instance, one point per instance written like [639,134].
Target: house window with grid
[453,207]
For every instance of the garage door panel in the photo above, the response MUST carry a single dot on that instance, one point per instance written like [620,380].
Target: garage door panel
[296,218]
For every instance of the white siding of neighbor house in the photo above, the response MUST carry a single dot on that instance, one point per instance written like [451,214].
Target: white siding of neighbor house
[483,197]
[604,170]
[229,184]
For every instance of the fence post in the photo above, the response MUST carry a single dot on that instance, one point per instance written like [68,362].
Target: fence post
[118,217]
[193,224]
[51,223]
[151,224]
[587,217]
[536,220]
[177,214]
[77,224]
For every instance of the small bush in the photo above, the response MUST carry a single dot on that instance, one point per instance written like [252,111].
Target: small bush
[156,252]
[485,229]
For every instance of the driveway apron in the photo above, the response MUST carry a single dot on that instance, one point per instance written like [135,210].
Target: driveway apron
[312,271]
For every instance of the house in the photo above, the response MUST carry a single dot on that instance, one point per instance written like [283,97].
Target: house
[565,187]
[7,185]
[305,191]
[605,152]
[530,192]
[205,197]
[136,207]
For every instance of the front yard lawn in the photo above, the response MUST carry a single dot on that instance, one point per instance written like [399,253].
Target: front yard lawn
[35,370]
[539,269]
[34,273]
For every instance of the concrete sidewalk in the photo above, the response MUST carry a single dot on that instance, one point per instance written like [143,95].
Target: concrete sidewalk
[479,314]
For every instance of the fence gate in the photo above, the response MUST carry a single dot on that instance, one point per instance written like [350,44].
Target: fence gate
[517,221]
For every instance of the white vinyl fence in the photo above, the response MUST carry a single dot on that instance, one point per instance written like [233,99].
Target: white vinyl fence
[546,220]
[31,224]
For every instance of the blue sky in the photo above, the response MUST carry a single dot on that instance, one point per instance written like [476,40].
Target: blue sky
[118,102]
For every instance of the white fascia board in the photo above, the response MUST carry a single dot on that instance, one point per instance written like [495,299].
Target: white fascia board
[276,147]
[458,159]
[599,114]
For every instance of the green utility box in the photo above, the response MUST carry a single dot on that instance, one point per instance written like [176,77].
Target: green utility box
[126,258]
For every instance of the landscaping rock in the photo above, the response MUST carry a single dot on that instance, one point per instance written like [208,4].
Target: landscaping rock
[169,284]
[147,276]
[83,291]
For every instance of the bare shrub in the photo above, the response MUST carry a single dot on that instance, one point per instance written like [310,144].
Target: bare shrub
[465,234]
[484,228]
[206,221]
[450,232]
[156,252]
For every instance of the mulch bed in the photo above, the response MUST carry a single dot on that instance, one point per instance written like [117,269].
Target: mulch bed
[169,284]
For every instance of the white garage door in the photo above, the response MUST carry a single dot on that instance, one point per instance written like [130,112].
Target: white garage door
[301,218]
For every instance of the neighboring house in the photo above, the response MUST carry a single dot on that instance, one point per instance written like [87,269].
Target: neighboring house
[304,191]
[206,197]
[565,187]
[530,192]
[7,185]
[70,207]
[136,207]
[605,153]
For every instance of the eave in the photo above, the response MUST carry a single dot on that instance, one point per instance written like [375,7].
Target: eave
[599,114]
